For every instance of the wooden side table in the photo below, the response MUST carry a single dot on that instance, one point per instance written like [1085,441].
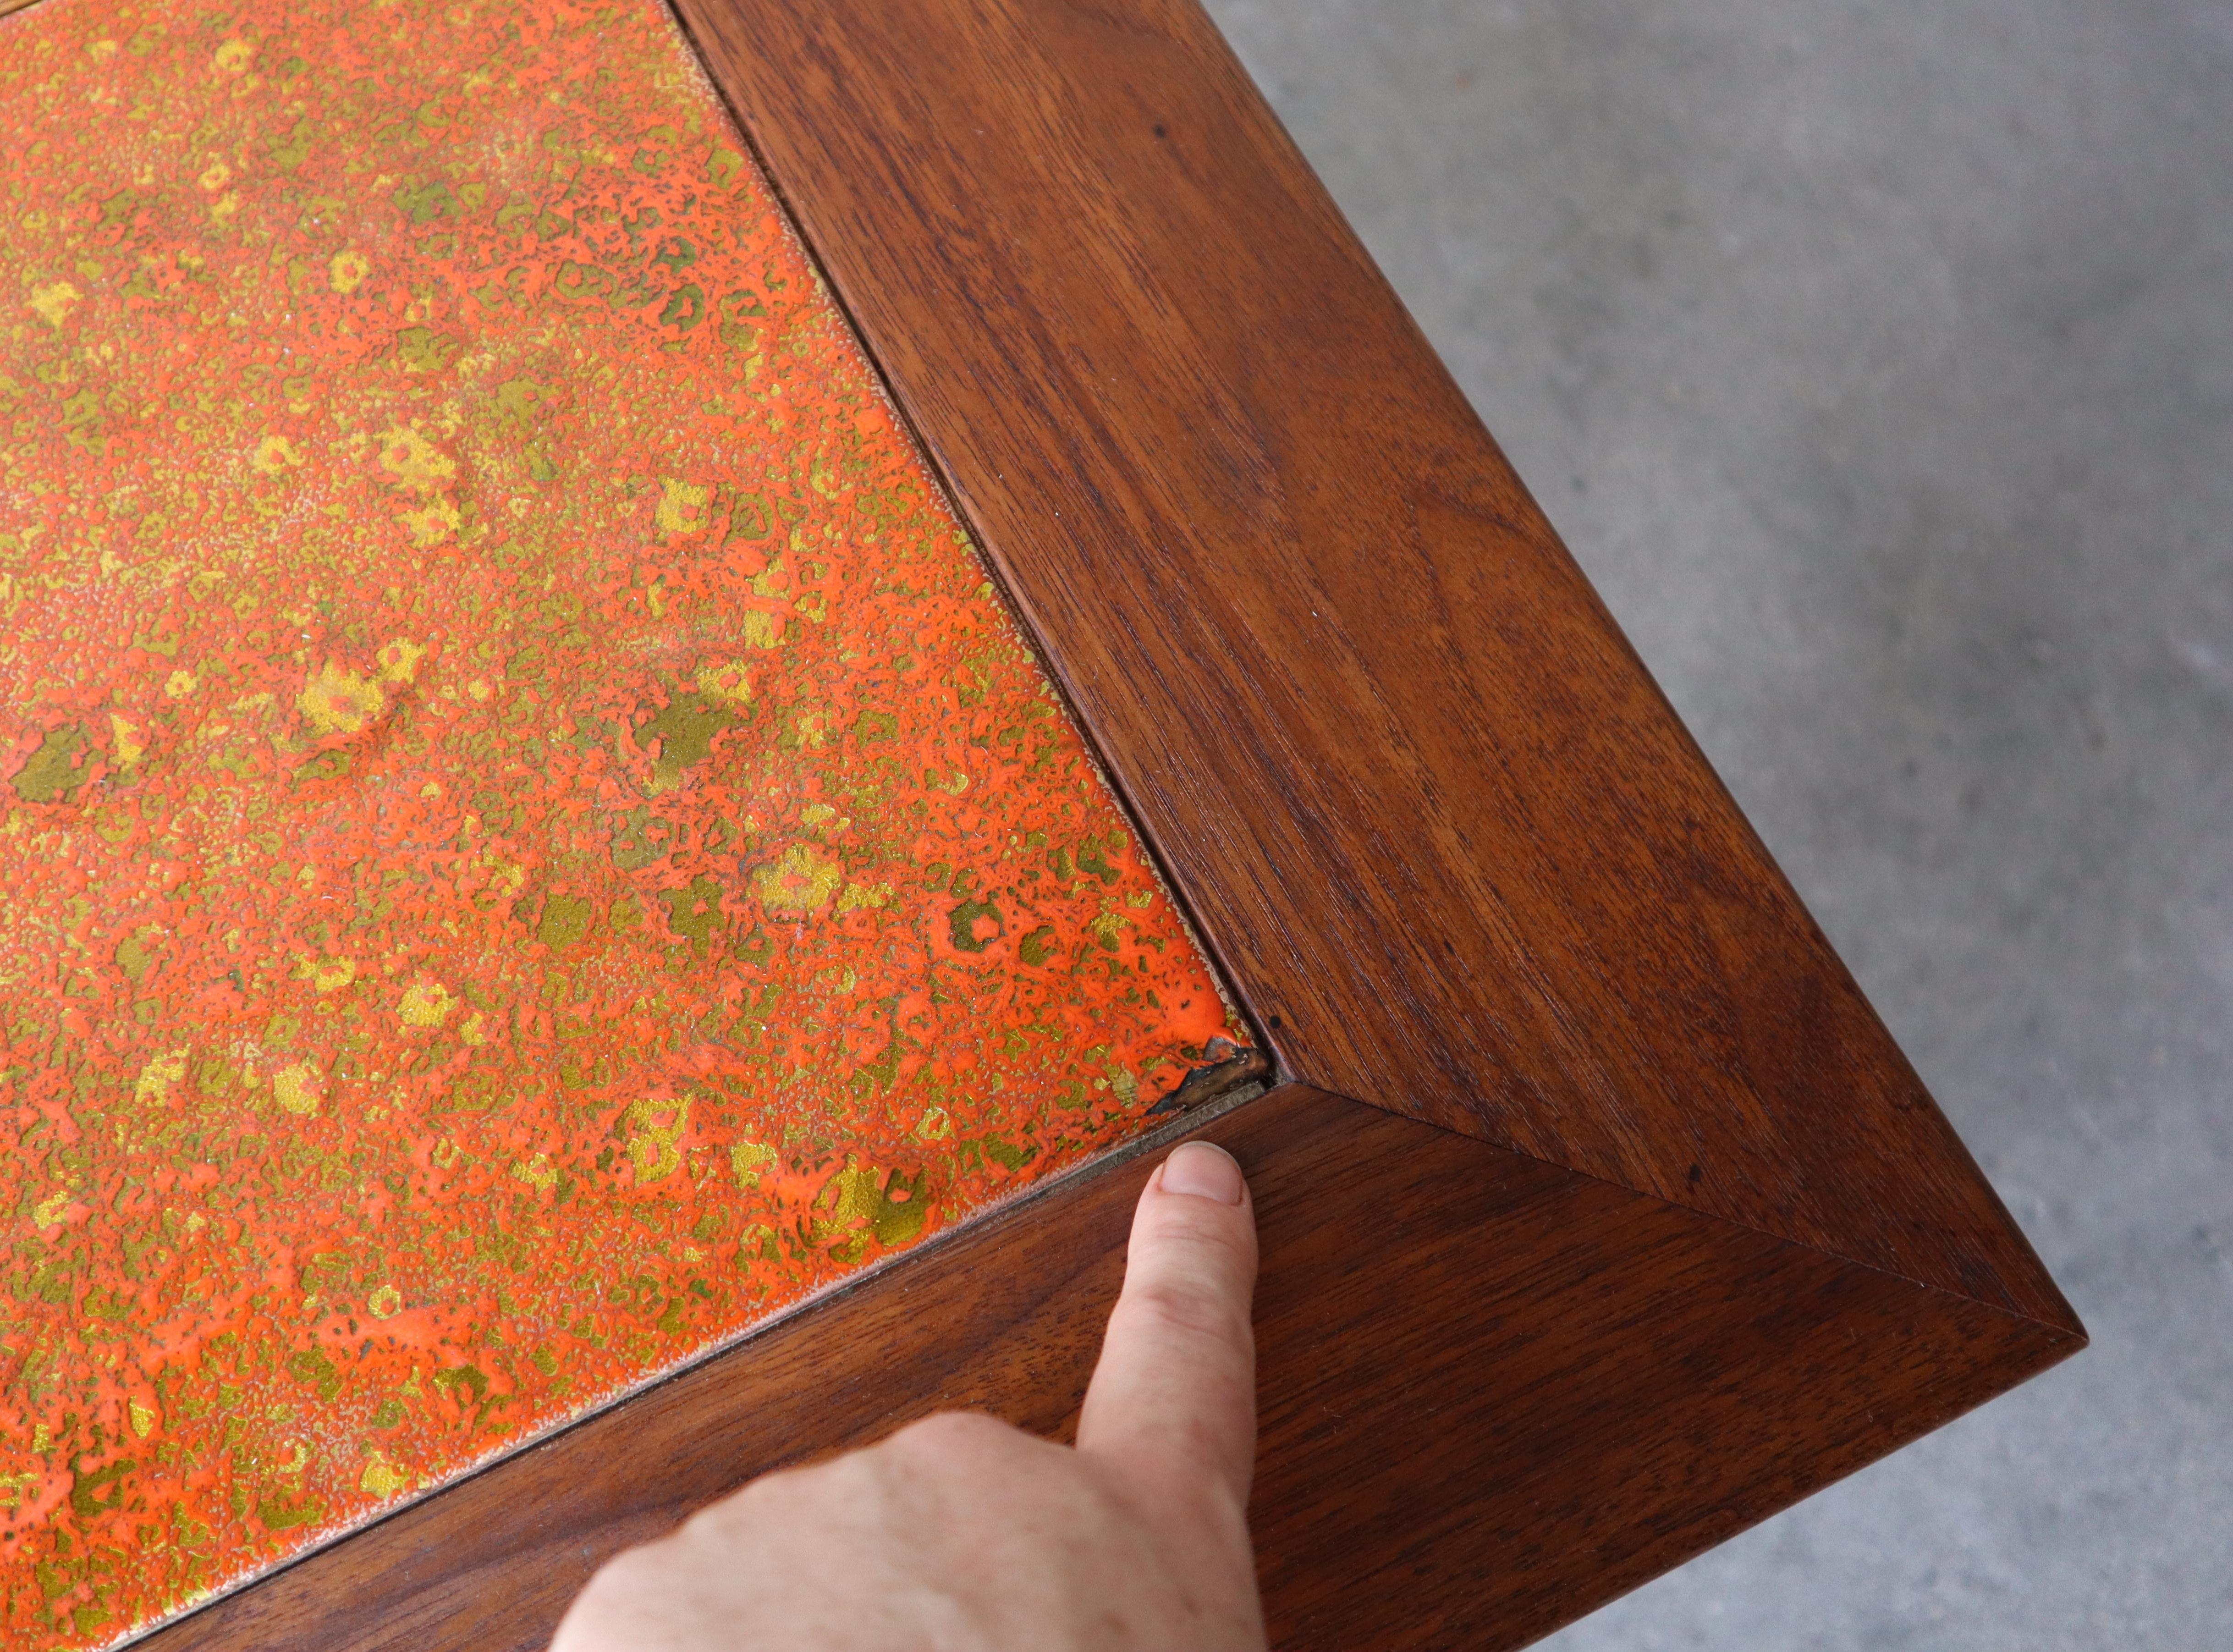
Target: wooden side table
[1601,1216]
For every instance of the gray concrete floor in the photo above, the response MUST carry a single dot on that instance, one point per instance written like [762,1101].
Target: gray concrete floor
[1876,358]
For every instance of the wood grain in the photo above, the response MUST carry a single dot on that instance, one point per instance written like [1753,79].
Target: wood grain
[1446,837]
[1495,1393]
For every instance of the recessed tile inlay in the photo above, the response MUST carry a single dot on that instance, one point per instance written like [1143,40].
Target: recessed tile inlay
[528,843]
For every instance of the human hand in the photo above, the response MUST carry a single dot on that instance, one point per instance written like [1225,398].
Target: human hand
[961,1534]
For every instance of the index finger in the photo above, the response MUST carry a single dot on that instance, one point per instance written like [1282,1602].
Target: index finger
[1173,1401]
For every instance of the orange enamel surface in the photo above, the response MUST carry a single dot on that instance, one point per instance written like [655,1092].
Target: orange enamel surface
[527,841]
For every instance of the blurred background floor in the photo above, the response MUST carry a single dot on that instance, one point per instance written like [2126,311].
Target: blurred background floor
[1876,359]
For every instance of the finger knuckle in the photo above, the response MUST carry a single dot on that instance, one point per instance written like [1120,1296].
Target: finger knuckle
[755,1500]
[952,1433]
[1191,1306]
[1198,1224]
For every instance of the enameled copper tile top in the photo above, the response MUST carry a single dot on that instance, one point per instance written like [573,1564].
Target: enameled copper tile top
[527,841]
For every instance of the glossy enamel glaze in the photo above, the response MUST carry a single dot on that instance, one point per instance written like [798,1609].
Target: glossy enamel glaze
[531,843]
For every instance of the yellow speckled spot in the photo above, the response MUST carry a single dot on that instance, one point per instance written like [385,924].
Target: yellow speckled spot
[682,506]
[747,1160]
[157,1078]
[135,954]
[42,1438]
[866,1201]
[431,526]
[382,1479]
[326,974]
[508,876]
[347,272]
[856,1193]
[537,1173]
[800,879]
[338,701]
[398,659]
[935,1125]
[479,689]
[49,1211]
[810,729]
[858,896]
[296,1087]
[275,454]
[53,302]
[235,55]
[728,682]
[385,1303]
[179,684]
[215,177]
[760,630]
[815,814]
[475,1031]
[425,1003]
[415,463]
[127,739]
[143,1417]
[658,1126]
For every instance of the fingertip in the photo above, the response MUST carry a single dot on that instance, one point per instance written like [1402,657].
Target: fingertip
[1203,1170]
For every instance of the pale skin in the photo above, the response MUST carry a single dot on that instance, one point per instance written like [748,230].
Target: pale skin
[962,1534]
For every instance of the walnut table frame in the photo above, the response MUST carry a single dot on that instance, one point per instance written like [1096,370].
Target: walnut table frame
[1601,1216]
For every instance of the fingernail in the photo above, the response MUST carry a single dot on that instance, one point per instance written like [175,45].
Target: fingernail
[1205,1171]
